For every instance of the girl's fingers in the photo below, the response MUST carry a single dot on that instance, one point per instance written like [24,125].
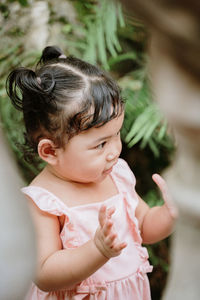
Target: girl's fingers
[106,238]
[110,211]
[105,214]
[110,239]
[113,243]
[122,246]
[107,227]
[161,183]
[119,247]
[102,215]
[163,187]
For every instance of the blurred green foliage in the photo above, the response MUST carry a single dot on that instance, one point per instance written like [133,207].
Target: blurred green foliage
[144,123]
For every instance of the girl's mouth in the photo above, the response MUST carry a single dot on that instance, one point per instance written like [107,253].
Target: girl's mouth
[108,171]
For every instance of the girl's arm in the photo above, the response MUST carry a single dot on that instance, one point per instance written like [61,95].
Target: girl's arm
[59,268]
[156,223]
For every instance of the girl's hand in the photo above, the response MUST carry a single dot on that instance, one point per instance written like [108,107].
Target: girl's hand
[106,239]
[161,183]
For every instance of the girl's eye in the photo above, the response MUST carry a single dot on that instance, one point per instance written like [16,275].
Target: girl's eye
[100,146]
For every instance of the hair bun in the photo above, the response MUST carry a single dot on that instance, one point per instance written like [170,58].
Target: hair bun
[50,53]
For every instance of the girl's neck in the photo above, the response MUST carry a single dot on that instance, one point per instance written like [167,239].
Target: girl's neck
[52,174]
[76,193]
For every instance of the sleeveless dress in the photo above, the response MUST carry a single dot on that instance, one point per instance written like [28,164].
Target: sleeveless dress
[121,278]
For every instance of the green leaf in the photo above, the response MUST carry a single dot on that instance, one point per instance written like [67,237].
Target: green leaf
[120,15]
[138,136]
[139,123]
[121,57]
[162,131]
[153,147]
[101,44]
[152,125]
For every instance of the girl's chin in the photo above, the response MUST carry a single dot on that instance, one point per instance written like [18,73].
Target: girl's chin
[92,179]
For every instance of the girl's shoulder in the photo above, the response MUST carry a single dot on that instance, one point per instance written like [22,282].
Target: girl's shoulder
[45,200]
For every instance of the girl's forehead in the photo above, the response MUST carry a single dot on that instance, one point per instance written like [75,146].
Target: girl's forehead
[89,138]
[108,129]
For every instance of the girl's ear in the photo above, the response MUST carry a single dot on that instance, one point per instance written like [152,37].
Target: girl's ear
[47,151]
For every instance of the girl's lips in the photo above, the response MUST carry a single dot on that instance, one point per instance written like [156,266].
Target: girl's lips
[110,169]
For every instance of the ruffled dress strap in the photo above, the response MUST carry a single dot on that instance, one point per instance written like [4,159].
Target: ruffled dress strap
[126,181]
[46,201]
[124,177]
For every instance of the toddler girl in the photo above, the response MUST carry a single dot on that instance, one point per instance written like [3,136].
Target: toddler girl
[89,220]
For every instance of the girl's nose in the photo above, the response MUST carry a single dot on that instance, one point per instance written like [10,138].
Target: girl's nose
[111,157]
[114,152]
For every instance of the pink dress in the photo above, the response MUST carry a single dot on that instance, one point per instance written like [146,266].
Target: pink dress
[121,278]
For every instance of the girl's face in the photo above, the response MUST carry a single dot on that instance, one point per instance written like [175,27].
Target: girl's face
[89,156]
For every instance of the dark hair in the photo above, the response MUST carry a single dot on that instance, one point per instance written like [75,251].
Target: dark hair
[63,96]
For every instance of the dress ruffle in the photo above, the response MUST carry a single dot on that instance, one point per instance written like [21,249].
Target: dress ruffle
[127,287]
[145,267]
[46,201]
